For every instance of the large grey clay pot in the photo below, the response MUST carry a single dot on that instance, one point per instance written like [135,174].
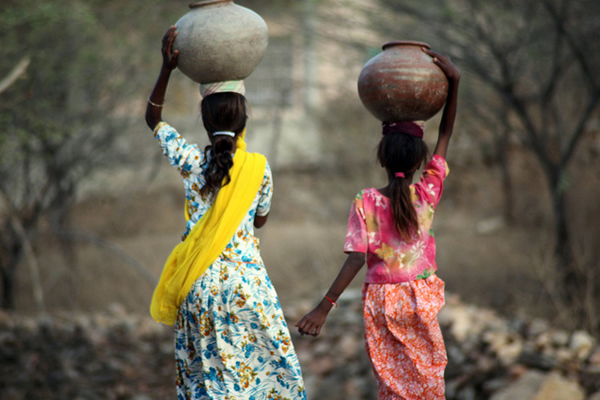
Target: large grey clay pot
[219,40]
[402,83]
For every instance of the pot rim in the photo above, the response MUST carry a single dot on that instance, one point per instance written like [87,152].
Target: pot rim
[208,3]
[405,43]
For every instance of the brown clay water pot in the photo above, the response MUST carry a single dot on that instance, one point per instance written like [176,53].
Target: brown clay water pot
[219,40]
[402,83]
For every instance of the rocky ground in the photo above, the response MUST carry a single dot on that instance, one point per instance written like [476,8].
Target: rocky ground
[116,355]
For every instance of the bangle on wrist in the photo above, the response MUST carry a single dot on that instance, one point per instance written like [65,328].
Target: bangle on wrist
[154,104]
[333,303]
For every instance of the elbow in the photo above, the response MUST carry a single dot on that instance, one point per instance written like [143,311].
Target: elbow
[151,119]
[259,222]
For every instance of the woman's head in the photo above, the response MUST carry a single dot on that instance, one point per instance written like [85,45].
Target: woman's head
[222,112]
[402,153]
[225,111]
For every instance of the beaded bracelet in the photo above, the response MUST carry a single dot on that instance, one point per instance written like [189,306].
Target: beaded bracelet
[333,303]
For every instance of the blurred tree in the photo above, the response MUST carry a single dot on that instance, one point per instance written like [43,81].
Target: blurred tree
[541,58]
[60,120]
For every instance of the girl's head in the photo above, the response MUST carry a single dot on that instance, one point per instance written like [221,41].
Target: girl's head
[402,153]
[222,112]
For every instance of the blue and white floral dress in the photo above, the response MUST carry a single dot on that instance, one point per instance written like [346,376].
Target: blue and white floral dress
[231,339]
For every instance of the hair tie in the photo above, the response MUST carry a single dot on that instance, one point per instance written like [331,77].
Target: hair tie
[407,127]
[399,175]
[224,133]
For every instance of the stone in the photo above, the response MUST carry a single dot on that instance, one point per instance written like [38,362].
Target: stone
[560,338]
[524,388]
[595,357]
[556,387]
[538,326]
[509,353]
[582,344]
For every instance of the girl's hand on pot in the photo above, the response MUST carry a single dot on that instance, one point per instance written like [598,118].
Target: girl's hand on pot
[442,61]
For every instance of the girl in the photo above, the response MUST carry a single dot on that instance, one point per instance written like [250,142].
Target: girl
[391,227]
[231,339]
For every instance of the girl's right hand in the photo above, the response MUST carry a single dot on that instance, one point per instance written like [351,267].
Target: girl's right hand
[169,56]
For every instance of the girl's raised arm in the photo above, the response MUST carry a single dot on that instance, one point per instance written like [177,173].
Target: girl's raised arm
[157,97]
[449,113]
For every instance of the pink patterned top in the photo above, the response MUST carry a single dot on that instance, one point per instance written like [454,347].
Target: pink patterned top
[371,230]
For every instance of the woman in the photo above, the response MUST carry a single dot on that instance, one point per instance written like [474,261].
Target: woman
[231,338]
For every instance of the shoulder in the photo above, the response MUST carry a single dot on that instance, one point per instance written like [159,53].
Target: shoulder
[368,192]
[365,196]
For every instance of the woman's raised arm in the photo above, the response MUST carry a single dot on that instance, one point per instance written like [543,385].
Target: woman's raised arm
[157,97]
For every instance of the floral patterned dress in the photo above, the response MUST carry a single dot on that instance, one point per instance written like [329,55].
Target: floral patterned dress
[231,339]
[401,294]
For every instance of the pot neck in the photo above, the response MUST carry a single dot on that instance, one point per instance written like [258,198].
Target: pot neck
[404,43]
[209,3]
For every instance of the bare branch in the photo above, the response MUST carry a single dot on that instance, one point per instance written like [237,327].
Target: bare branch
[559,21]
[580,128]
[17,72]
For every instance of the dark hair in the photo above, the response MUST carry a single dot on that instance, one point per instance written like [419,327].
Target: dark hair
[221,112]
[399,152]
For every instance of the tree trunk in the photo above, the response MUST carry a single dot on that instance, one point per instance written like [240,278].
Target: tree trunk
[502,146]
[571,280]
[7,272]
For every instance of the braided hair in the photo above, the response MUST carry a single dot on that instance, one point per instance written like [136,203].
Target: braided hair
[399,152]
[221,112]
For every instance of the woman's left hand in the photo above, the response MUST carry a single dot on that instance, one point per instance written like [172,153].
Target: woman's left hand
[169,56]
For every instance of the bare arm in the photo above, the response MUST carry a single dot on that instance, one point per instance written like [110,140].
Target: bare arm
[259,221]
[312,322]
[449,113]
[157,97]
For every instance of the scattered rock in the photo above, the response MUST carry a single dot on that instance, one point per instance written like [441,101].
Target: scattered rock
[117,355]
[582,344]
[555,387]
[525,388]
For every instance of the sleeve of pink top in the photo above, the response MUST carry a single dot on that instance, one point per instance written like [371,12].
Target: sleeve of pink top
[356,234]
[431,184]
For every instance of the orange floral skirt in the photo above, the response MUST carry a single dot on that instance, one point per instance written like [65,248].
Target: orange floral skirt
[404,340]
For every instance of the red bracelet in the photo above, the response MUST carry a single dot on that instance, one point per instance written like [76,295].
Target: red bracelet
[333,303]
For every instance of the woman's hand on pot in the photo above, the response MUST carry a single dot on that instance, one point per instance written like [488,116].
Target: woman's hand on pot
[169,56]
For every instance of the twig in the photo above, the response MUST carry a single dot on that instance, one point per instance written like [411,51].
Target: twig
[18,71]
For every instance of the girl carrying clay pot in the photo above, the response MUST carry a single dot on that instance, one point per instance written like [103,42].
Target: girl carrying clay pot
[390,229]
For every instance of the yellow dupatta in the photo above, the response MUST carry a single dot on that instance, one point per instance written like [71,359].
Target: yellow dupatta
[211,234]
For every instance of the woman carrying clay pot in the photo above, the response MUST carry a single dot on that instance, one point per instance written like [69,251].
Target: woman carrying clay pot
[231,338]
